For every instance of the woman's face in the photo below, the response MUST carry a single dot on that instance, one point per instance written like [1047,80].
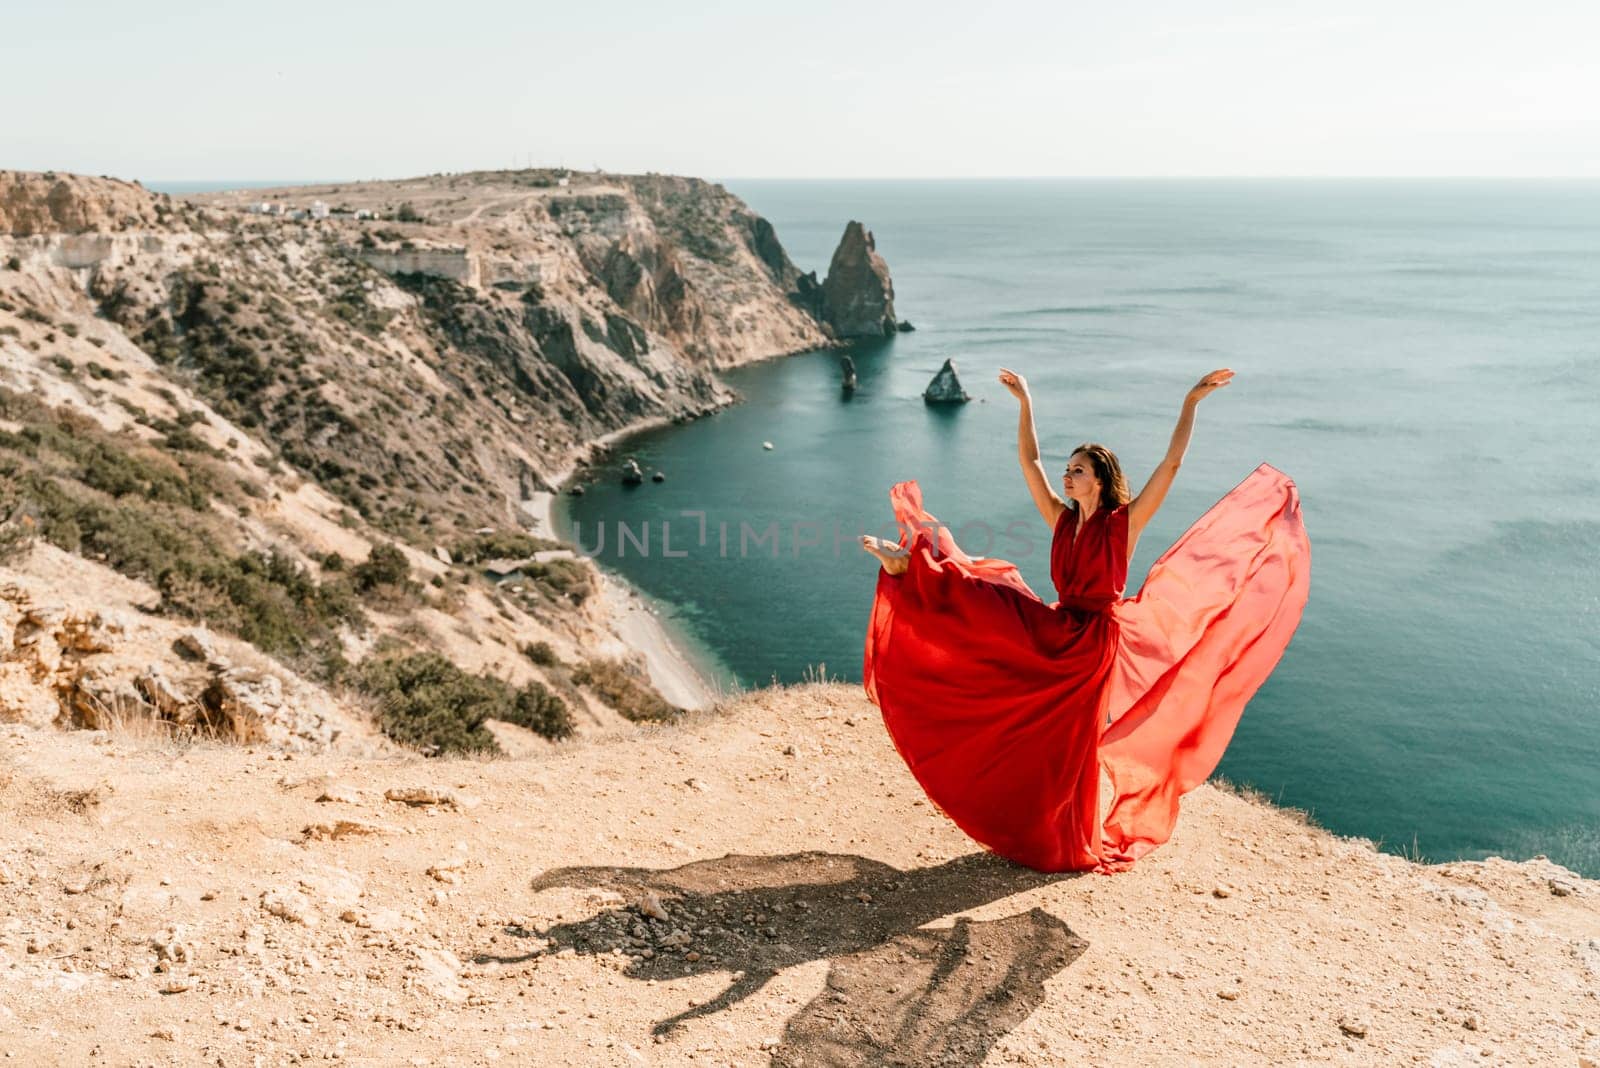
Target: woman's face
[1079,480]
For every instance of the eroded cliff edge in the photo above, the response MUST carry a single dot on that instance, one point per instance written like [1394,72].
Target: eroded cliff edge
[320,419]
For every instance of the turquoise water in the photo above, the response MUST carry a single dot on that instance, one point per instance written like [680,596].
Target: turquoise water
[1422,357]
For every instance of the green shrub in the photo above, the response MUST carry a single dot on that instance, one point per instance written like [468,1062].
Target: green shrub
[536,708]
[624,691]
[499,545]
[427,702]
[541,653]
[385,565]
[563,578]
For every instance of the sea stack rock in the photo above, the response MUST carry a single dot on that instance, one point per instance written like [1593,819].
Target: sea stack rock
[847,368]
[857,296]
[631,474]
[945,387]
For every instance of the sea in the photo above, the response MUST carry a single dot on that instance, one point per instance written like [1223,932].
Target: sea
[1422,357]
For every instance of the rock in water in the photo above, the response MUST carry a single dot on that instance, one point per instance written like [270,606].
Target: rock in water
[631,473]
[857,296]
[945,387]
[847,367]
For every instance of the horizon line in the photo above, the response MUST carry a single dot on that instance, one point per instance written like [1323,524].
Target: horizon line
[269,182]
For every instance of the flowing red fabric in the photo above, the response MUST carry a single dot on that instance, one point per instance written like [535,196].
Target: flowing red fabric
[1006,709]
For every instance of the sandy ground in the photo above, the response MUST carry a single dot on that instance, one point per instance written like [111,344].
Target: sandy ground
[762,884]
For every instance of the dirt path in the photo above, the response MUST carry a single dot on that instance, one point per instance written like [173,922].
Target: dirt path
[763,884]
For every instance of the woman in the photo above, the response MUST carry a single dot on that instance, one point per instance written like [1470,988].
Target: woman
[1007,709]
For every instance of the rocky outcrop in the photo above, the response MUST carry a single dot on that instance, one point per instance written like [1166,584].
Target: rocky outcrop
[454,264]
[65,664]
[858,296]
[847,370]
[945,387]
[33,203]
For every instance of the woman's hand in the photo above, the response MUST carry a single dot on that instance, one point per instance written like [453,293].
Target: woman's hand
[1209,385]
[1015,383]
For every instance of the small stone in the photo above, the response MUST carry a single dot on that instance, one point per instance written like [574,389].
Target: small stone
[1353,1026]
[198,645]
[864,897]
[165,1034]
[177,984]
[649,904]
[420,795]
[691,956]
[339,793]
[77,886]
[1473,1022]
[1562,888]
[448,871]
[1222,891]
[1228,994]
[336,829]
[289,905]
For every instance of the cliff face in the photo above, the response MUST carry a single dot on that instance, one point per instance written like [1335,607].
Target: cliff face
[32,203]
[543,316]
[233,408]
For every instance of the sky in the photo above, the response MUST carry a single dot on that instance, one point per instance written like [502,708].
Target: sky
[219,90]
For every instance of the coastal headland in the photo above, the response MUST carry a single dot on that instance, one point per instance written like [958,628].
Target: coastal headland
[316,746]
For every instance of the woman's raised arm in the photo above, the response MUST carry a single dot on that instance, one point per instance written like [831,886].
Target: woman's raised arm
[1143,507]
[1044,498]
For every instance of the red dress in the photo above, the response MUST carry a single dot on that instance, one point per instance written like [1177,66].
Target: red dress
[1006,709]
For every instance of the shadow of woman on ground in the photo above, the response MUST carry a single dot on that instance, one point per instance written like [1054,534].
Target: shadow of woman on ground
[893,990]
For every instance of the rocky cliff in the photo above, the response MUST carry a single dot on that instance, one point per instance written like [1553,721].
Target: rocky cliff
[307,416]
[71,204]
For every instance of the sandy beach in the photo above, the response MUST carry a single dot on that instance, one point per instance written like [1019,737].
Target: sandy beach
[634,620]
[637,623]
